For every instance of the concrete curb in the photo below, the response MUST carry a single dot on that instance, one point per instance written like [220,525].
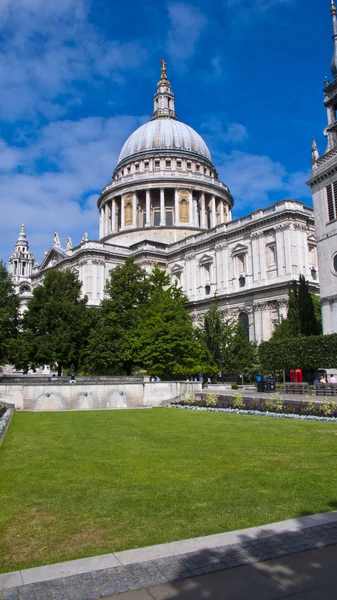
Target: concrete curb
[161,551]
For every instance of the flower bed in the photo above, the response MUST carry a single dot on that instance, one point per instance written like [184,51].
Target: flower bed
[275,405]
[258,413]
[5,417]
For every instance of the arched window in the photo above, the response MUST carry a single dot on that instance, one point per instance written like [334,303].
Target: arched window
[244,320]
[25,288]
[334,262]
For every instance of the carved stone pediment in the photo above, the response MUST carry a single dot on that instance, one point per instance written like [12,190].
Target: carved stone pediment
[177,268]
[239,249]
[206,259]
[52,258]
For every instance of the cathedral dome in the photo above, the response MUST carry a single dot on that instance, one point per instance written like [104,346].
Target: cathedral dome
[164,134]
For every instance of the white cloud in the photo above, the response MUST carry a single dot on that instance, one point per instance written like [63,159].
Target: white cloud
[255,5]
[186,26]
[49,48]
[216,129]
[253,179]
[81,157]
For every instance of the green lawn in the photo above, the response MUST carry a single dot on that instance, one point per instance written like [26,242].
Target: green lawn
[76,484]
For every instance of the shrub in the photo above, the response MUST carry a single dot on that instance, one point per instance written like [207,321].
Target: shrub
[211,399]
[328,408]
[275,403]
[235,386]
[188,397]
[237,401]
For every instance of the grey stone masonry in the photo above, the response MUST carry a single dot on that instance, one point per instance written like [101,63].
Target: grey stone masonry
[249,546]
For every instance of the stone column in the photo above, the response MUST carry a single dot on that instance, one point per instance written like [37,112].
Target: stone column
[148,209]
[134,209]
[203,210]
[122,212]
[287,250]
[105,227]
[113,215]
[191,208]
[222,213]
[262,248]
[213,215]
[162,207]
[100,224]
[176,207]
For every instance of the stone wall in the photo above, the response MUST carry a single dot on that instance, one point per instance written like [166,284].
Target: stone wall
[92,396]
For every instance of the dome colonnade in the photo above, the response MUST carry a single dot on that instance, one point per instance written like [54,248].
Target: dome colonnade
[164,178]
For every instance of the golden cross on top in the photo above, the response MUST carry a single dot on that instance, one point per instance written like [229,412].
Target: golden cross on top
[163,68]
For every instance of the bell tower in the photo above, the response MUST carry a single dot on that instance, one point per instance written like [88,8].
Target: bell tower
[20,265]
[323,183]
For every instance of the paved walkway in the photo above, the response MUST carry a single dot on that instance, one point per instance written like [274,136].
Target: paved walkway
[295,558]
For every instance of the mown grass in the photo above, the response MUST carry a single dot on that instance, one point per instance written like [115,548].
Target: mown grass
[77,484]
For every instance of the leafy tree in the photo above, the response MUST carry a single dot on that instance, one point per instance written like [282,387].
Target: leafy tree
[303,314]
[169,343]
[216,339]
[243,353]
[55,322]
[114,345]
[9,316]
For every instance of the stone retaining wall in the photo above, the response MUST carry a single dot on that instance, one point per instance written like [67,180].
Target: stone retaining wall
[90,396]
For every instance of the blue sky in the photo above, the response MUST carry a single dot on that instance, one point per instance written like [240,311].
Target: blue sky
[78,76]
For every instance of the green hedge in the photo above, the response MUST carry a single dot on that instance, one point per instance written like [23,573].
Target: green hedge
[303,352]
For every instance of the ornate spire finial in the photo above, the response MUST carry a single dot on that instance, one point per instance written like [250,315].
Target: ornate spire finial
[22,228]
[163,68]
[314,152]
[334,38]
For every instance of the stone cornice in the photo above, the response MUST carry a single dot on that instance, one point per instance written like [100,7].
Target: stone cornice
[224,233]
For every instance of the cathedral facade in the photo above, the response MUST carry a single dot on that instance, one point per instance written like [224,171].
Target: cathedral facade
[323,183]
[166,206]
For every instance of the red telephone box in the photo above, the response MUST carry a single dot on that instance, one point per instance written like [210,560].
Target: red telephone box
[296,376]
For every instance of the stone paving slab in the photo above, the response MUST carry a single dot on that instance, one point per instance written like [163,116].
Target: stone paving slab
[73,567]
[108,577]
[128,557]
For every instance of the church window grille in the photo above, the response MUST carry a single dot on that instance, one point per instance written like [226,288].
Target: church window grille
[312,255]
[156,218]
[244,320]
[137,166]
[331,194]
[128,169]
[169,217]
[23,268]
[179,164]
[189,165]
[197,167]
[146,164]
[157,164]
[271,255]
[168,164]
[240,263]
